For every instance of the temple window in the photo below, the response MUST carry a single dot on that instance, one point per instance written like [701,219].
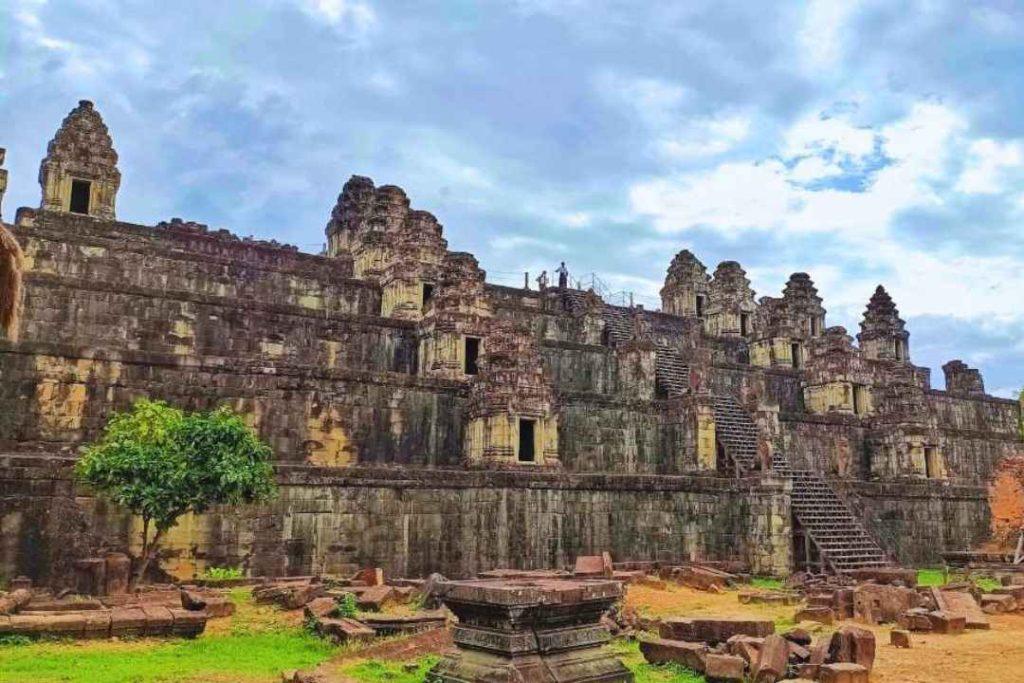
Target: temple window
[794,350]
[527,433]
[428,293]
[859,399]
[700,306]
[80,190]
[744,324]
[471,355]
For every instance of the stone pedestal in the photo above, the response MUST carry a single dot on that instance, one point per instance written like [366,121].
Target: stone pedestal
[543,631]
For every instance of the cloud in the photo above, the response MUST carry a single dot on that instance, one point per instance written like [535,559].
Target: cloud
[348,15]
[987,161]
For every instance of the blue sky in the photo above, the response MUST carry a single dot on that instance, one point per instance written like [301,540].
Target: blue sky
[863,141]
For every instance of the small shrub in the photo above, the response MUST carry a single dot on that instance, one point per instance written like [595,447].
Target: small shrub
[347,607]
[15,639]
[221,573]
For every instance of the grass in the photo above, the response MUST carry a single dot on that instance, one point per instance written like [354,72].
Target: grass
[372,670]
[629,653]
[254,646]
[940,577]
[767,583]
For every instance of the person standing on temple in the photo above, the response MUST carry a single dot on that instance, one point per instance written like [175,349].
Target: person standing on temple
[563,276]
[542,280]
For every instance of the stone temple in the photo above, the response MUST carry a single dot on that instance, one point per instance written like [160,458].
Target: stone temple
[426,420]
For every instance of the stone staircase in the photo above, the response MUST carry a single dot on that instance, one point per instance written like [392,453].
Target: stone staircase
[671,372]
[841,539]
[736,431]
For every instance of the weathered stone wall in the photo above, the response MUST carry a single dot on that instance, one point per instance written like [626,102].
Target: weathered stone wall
[918,520]
[411,522]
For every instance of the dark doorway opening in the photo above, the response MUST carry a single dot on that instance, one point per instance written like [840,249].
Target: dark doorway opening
[527,452]
[700,306]
[472,354]
[80,196]
[744,324]
[794,350]
[428,293]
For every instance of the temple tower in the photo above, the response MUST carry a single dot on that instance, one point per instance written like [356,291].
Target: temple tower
[511,403]
[962,380]
[838,378]
[783,326]
[731,306]
[686,286]
[883,334]
[79,174]
[456,320]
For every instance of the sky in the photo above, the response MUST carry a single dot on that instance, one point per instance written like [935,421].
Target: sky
[864,142]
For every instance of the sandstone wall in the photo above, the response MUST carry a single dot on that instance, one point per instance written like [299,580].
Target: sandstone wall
[410,522]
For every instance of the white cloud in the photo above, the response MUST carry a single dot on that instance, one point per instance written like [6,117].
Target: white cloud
[986,162]
[577,219]
[350,15]
[701,137]
[820,39]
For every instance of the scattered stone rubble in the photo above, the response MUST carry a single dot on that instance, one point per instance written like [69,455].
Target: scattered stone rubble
[749,649]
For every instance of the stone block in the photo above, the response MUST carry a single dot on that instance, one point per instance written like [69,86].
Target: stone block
[662,651]
[946,623]
[772,660]
[159,620]
[14,601]
[118,572]
[899,638]
[127,622]
[714,631]
[917,619]
[319,608]
[188,623]
[593,566]
[852,644]
[372,576]
[344,630]
[842,673]
[723,668]
[994,603]
[821,615]
[880,604]
[799,636]
[376,598]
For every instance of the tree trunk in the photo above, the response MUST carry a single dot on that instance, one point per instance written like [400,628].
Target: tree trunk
[149,549]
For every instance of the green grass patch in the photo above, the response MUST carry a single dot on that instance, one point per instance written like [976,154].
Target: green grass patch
[248,657]
[372,670]
[643,672]
[931,577]
[940,577]
[767,583]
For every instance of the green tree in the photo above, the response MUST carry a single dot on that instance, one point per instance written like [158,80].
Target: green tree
[159,463]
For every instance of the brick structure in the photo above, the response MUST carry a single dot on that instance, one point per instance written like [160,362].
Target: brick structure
[424,420]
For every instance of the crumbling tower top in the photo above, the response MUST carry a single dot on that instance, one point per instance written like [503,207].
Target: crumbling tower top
[79,174]
[883,334]
[686,286]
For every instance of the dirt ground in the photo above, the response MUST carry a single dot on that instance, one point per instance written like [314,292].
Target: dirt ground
[993,656]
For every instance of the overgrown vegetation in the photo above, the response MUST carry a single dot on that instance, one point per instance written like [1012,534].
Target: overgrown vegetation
[767,583]
[221,573]
[160,463]
[940,577]
[373,671]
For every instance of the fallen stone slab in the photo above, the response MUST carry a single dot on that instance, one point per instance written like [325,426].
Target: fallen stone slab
[821,615]
[947,623]
[714,631]
[994,603]
[768,598]
[70,603]
[375,598]
[408,624]
[723,668]
[799,636]
[320,608]
[917,619]
[371,576]
[1016,592]
[842,673]
[288,595]
[344,630]
[663,651]
[159,620]
[963,603]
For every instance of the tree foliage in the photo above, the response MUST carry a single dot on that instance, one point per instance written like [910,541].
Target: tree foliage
[159,463]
